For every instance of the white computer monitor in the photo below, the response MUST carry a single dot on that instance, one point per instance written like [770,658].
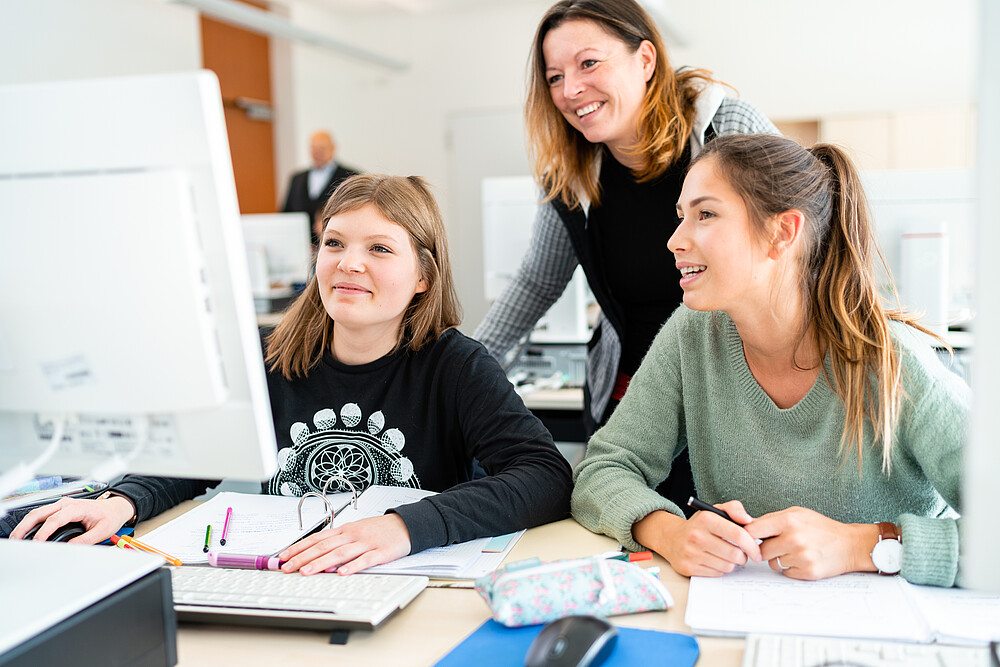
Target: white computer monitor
[981,490]
[280,255]
[126,314]
[925,220]
[510,204]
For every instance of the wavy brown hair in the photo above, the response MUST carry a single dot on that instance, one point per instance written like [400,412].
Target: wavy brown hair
[838,281]
[562,158]
[305,332]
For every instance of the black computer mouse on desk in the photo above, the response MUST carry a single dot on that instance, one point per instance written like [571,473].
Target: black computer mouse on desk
[63,533]
[573,641]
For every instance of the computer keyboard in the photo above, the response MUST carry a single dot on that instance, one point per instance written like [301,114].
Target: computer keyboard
[796,651]
[263,597]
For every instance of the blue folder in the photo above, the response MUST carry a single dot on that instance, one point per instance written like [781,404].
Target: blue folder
[495,644]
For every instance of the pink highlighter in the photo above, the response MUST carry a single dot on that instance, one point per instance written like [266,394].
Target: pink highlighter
[244,562]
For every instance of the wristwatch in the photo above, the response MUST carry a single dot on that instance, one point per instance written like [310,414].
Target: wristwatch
[887,556]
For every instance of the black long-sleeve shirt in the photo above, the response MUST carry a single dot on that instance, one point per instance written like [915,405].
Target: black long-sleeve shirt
[414,419]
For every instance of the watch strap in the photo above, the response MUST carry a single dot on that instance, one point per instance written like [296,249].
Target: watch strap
[889,531]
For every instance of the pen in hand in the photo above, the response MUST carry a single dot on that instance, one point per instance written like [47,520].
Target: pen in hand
[702,505]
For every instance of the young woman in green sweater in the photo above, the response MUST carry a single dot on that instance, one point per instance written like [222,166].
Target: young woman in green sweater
[821,422]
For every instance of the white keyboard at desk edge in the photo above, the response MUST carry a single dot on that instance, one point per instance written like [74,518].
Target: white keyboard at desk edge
[359,600]
[794,651]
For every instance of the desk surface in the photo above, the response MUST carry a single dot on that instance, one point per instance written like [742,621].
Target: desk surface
[435,622]
[554,399]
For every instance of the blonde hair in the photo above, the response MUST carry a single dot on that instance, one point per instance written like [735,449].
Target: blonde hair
[562,158]
[772,175]
[302,336]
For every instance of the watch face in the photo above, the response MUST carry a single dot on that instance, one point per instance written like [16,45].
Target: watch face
[888,556]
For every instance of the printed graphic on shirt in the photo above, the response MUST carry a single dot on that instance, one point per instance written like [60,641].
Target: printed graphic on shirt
[365,455]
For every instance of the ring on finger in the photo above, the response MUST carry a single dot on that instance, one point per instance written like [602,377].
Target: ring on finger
[780,566]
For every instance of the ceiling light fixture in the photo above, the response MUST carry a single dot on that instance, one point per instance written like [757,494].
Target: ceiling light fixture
[272,25]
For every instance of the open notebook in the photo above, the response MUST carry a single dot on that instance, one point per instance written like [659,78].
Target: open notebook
[264,525]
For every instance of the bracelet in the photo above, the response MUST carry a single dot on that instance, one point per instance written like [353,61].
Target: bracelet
[109,493]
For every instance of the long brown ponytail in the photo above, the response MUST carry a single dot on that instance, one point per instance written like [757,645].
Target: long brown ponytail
[839,286]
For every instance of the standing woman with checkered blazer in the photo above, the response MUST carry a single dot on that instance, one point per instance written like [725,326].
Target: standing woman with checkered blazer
[612,128]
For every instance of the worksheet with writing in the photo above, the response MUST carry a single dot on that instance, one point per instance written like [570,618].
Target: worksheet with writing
[756,599]
[260,525]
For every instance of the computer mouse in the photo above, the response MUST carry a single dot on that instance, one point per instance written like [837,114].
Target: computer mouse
[62,534]
[573,641]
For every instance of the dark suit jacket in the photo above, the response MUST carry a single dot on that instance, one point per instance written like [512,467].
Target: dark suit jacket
[298,198]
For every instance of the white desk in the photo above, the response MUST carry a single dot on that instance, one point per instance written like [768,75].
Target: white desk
[434,623]
[554,399]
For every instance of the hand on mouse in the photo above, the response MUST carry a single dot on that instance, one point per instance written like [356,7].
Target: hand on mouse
[102,519]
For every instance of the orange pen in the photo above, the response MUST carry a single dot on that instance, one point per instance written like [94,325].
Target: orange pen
[145,547]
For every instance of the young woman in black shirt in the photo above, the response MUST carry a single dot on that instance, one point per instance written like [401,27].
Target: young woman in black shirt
[370,380]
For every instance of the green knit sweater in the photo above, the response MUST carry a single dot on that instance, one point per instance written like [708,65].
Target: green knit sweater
[695,390]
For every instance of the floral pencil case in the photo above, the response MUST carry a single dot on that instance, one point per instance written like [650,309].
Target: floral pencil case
[531,592]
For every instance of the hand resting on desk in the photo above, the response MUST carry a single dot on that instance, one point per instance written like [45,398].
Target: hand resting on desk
[349,548]
[102,519]
[706,545]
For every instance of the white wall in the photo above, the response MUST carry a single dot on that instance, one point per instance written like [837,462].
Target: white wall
[798,59]
[48,40]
